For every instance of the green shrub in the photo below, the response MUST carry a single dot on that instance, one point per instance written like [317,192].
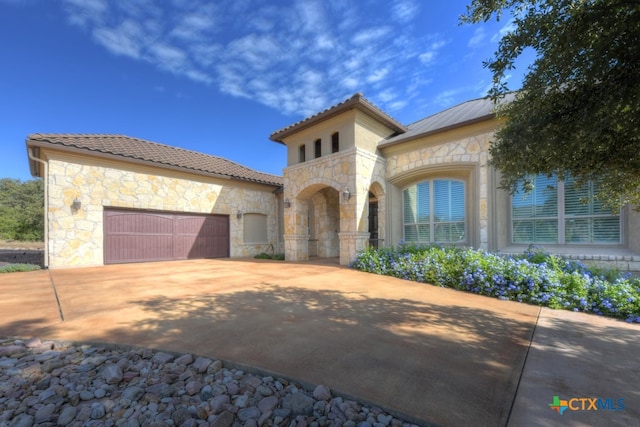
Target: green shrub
[15,268]
[264,255]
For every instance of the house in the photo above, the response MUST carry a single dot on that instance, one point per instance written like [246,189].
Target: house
[114,199]
[355,177]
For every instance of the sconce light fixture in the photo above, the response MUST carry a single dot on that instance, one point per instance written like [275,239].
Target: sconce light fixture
[287,203]
[239,214]
[76,205]
[346,195]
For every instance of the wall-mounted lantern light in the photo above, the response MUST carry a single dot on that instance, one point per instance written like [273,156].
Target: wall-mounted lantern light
[239,214]
[76,205]
[287,203]
[346,195]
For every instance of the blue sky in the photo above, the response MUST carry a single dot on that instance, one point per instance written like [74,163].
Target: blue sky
[219,77]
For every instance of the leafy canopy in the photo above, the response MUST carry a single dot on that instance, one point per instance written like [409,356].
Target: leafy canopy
[21,209]
[578,111]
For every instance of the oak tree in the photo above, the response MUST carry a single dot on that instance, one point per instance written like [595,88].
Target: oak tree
[578,110]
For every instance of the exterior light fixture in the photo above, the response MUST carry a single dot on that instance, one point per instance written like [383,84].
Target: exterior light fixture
[76,205]
[346,195]
[239,214]
[287,203]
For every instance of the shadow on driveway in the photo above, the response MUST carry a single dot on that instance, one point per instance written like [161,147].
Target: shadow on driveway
[449,364]
[439,355]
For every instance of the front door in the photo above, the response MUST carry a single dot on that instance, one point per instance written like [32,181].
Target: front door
[373,223]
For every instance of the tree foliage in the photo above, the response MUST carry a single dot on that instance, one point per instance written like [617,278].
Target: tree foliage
[578,111]
[21,209]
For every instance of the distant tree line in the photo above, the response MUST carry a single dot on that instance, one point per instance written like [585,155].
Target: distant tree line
[21,209]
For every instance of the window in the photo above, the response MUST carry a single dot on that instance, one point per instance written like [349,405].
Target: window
[318,148]
[559,212]
[434,211]
[535,215]
[335,142]
[301,153]
[255,228]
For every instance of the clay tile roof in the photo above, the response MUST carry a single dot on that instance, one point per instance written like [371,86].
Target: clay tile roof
[126,147]
[357,101]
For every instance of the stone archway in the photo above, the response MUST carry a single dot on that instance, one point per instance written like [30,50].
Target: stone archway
[312,224]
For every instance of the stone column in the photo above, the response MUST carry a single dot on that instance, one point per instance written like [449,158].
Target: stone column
[296,247]
[350,244]
[296,235]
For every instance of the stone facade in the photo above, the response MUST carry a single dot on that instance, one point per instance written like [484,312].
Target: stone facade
[76,236]
[458,154]
[320,214]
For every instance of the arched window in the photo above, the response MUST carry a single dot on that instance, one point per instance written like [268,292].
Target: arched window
[318,148]
[335,142]
[302,155]
[434,211]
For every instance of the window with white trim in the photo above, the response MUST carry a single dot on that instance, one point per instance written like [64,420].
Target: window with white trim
[559,212]
[434,212]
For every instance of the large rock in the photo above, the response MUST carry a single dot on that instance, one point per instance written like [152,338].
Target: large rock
[298,403]
[162,358]
[112,374]
[201,364]
[225,419]
[322,392]
[246,414]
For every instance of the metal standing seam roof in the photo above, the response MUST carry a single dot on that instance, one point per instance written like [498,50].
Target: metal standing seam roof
[357,101]
[468,112]
[126,147]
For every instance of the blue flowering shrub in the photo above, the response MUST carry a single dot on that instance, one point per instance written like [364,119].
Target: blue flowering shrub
[535,277]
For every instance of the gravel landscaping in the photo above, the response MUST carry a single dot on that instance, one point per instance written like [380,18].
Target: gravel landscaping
[48,383]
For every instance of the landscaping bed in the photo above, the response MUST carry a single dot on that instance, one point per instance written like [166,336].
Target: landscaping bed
[535,277]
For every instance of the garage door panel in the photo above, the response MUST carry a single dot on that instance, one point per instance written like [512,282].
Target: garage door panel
[141,223]
[138,236]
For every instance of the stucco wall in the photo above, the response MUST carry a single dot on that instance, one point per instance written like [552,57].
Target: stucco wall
[323,131]
[76,237]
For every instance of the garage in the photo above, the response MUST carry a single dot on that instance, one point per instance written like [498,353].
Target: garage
[142,236]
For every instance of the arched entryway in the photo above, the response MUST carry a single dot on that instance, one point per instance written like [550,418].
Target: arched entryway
[312,224]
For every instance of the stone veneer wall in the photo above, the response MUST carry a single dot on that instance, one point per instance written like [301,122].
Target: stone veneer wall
[445,156]
[76,237]
[354,169]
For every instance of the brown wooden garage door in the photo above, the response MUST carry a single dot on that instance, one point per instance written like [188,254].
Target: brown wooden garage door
[141,236]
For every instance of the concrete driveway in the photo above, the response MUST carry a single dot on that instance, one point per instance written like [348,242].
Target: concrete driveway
[435,354]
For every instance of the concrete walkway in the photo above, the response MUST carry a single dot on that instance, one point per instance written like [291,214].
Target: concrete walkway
[437,355]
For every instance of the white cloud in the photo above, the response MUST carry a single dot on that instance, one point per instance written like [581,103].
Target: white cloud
[447,98]
[168,57]
[297,56]
[378,75]
[430,54]
[479,35]
[507,28]
[370,35]
[85,12]
[404,10]
[127,39]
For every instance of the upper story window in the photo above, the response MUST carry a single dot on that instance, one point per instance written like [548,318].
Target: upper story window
[317,148]
[434,211]
[302,154]
[559,212]
[335,142]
